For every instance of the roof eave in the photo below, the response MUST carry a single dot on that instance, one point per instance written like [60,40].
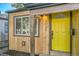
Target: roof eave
[23,9]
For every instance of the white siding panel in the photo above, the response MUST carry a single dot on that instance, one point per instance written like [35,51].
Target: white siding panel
[2,29]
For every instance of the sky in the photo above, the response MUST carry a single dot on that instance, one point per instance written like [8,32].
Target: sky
[5,7]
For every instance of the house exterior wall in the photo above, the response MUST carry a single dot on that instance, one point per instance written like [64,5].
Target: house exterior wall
[75,37]
[15,42]
[3,34]
[41,41]
[2,29]
[2,25]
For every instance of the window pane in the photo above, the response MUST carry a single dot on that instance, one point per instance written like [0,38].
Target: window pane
[22,26]
[18,25]
[26,25]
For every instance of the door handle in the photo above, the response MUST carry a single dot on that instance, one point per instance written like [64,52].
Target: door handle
[73,31]
[51,34]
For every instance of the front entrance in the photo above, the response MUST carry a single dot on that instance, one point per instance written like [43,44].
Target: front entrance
[61,31]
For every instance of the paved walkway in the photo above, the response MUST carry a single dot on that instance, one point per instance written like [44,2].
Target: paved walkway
[3,52]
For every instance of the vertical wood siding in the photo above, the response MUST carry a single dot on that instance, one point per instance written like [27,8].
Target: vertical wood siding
[41,41]
[15,42]
[75,38]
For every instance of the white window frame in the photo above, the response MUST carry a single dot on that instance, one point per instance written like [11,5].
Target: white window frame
[21,25]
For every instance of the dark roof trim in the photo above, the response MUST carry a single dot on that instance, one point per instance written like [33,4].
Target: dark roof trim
[35,7]
[16,10]
[40,5]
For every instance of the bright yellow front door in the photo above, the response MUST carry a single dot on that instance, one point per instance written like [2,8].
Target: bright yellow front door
[61,31]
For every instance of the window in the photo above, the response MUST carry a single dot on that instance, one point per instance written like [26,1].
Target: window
[22,26]
[6,27]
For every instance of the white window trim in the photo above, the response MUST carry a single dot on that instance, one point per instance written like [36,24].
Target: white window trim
[21,25]
[37,28]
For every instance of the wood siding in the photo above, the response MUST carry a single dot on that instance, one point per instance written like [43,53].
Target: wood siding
[75,37]
[15,42]
[41,41]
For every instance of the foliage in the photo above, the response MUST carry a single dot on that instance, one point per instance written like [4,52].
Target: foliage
[17,5]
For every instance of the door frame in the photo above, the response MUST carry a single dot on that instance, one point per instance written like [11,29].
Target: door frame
[70,33]
[50,36]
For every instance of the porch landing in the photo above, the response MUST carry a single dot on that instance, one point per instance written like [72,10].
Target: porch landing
[58,53]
